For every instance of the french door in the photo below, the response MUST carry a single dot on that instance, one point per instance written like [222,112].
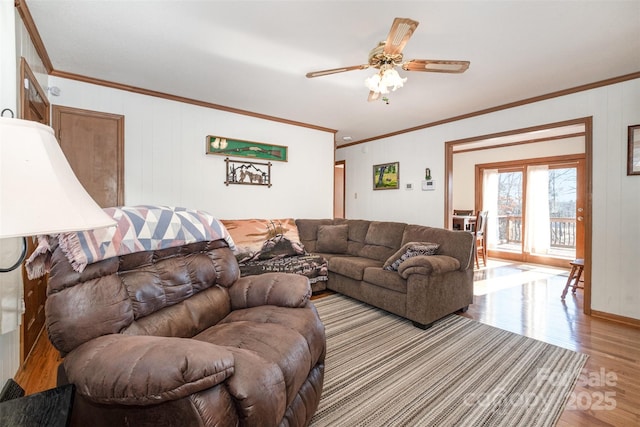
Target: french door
[536,209]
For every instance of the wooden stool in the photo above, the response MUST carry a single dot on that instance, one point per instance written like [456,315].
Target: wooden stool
[577,267]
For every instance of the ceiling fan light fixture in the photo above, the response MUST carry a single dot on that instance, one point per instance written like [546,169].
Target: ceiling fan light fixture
[373,83]
[391,79]
[386,80]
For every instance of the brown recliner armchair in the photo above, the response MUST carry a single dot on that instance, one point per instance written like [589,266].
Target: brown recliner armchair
[174,337]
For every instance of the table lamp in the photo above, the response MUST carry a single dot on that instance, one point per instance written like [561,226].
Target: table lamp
[39,193]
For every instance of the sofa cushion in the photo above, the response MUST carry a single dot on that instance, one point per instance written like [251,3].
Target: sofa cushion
[294,335]
[410,250]
[382,240]
[357,234]
[352,267]
[332,239]
[385,279]
[308,231]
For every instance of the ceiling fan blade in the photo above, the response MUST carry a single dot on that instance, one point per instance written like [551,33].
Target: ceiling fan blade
[436,66]
[399,35]
[373,96]
[337,70]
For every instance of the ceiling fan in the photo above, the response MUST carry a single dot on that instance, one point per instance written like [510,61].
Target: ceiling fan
[388,55]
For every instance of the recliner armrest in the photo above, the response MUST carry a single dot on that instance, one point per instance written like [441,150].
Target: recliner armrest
[280,289]
[145,370]
[427,264]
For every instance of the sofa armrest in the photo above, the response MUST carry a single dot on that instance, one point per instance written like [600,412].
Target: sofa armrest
[280,289]
[427,264]
[145,370]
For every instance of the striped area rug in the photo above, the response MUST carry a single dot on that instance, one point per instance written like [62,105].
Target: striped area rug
[383,371]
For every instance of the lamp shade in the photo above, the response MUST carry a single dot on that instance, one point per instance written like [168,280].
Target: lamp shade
[39,193]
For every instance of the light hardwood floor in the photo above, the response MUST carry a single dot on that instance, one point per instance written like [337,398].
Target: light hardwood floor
[524,299]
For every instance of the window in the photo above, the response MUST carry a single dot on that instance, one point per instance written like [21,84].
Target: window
[532,208]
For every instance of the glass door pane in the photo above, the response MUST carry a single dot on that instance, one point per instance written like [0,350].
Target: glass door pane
[562,211]
[509,211]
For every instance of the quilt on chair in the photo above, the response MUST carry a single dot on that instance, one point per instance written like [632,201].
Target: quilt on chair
[273,245]
[137,229]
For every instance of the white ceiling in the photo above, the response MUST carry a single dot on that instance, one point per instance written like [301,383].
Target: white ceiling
[253,55]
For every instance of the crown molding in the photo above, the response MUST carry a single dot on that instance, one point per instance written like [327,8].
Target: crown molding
[148,92]
[539,98]
[27,19]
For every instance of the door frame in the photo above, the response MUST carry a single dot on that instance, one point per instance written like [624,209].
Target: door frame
[27,74]
[588,183]
[340,165]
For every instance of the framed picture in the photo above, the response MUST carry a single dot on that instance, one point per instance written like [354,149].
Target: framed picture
[248,173]
[633,152]
[236,148]
[386,176]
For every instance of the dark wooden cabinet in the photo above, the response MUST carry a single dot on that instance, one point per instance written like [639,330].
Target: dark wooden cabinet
[50,408]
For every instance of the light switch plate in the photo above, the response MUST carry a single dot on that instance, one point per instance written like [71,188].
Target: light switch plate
[428,185]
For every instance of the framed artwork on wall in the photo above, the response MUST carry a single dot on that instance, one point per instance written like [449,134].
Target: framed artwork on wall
[386,176]
[633,151]
[223,146]
[248,173]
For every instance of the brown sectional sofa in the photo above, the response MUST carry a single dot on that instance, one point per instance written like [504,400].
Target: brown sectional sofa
[424,288]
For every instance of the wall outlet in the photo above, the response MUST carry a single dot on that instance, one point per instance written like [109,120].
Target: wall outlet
[408,186]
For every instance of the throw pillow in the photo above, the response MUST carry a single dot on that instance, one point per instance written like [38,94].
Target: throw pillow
[409,250]
[333,239]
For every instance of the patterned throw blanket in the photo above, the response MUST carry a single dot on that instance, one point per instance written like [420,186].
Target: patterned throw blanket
[273,245]
[312,266]
[138,229]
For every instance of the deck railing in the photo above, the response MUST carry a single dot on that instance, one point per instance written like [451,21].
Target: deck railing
[563,231]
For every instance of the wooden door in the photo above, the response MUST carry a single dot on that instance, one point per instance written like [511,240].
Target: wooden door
[34,106]
[93,143]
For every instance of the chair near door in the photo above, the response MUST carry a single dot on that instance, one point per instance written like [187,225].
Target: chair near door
[573,281]
[480,232]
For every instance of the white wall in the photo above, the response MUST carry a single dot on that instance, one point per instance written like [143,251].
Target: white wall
[415,153]
[616,196]
[165,160]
